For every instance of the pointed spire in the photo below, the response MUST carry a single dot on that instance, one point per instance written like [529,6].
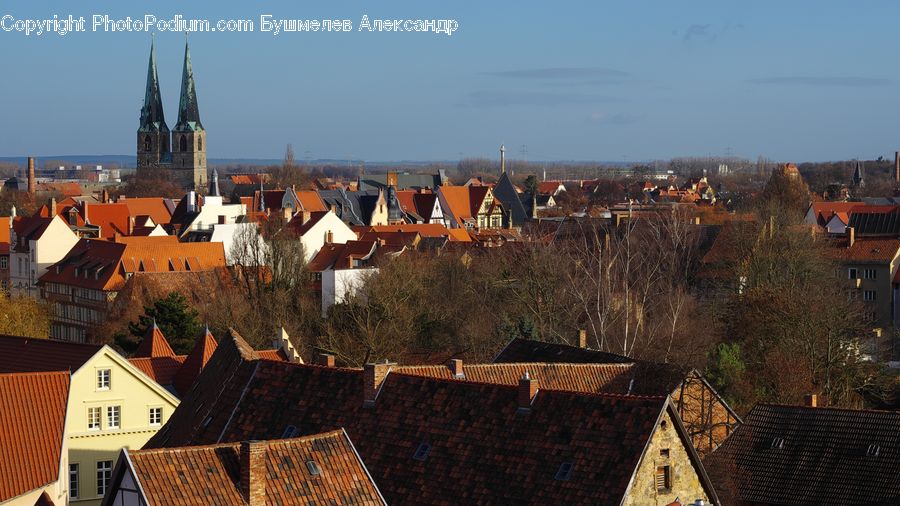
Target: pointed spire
[195,362]
[214,186]
[188,111]
[152,118]
[154,344]
[858,177]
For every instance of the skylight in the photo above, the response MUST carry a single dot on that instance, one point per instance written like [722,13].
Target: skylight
[313,468]
[564,472]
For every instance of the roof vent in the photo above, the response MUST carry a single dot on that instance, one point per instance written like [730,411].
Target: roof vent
[313,468]
[778,443]
[564,472]
[873,450]
[422,452]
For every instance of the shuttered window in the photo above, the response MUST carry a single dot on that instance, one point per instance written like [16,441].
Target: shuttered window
[663,479]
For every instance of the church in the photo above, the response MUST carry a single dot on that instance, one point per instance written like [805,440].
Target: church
[181,152]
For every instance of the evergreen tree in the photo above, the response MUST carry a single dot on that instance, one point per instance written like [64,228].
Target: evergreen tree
[175,318]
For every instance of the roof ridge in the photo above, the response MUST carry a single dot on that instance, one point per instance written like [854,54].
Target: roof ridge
[36,373]
[828,408]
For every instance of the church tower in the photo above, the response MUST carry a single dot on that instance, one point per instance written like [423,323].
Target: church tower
[188,136]
[153,133]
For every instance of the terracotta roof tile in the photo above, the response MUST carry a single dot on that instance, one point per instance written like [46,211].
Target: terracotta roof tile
[160,369]
[194,363]
[32,427]
[480,447]
[527,350]
[182,476]
[867,250]
[154,344]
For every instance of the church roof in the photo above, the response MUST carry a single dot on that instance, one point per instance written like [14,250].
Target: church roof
[152,118]
[188,110]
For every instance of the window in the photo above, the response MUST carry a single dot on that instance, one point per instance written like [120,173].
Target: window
[851,273]
[289,432]
[73,481]
[113,417]
[4,262]
[663,478]
[664,453]
[313,468]
[564,472]
[778,443]
[870,273]
[155,417]
[147,143]
[104,473]
[869,295]
[422,452]
[103,379]
[873,450]
[94,418]
[199,143]
[183,143]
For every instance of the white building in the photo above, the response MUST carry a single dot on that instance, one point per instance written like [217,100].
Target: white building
[36,243]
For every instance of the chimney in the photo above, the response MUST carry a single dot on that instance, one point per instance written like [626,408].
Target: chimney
[456,368]
[528,388]
[104,196]
[325,359]
[85,209]
[851,234]
[502,158]
[582,338]
[811,400]
[897,166]
[333,208]
[52,205]
[32,183]
[287,213]
[373,377]
[304,216]
[253,471]
[329,237]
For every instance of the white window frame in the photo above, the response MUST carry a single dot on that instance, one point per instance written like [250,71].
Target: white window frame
[867,272]
[114,415]
[870,295]
[102,385]
[852,273]
[150,416]
[74,484]
[104,479]
[96,424]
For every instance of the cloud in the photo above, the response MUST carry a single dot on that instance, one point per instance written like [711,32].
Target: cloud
[845,81]
[561,73]
[532,98]
[707,32]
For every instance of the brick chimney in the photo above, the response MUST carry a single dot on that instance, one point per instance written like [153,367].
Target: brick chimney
[528,388]
[582,338]
[51,205]
[104,196]
[811,400]
[456,368]
[373,377]
[32,182]
[253,471]
[897,166]
[325,359]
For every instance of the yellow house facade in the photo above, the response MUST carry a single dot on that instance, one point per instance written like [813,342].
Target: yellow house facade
[112,405]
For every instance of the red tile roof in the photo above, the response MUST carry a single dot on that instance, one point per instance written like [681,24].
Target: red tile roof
[310,200]
[211,474]
[155,208]
[160,369]
[25,354]
[527,350]
[154,344]
[866,250]
[32,427]
[104,265]
[479,447]
[194,363]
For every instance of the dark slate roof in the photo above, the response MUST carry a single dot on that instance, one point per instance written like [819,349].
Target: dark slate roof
[395,214]
[525,350]
[879,221]
[789,455]
[25,354]
[506,193]
[404,181]
[481,449]
[348,205]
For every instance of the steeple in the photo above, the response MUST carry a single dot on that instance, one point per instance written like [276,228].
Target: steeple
[152,118]
[214,184]
[188,111]
[858,180]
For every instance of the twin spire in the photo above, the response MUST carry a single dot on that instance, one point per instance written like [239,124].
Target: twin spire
[152,117]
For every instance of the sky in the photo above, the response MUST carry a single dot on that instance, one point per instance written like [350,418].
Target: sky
[564,80]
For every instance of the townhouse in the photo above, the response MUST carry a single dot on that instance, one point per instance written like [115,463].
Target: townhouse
[36,243]
[83,284]
[427,440]
[471,207]
[111,405]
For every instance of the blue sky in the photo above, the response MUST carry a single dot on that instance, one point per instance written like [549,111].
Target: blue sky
[577,80]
